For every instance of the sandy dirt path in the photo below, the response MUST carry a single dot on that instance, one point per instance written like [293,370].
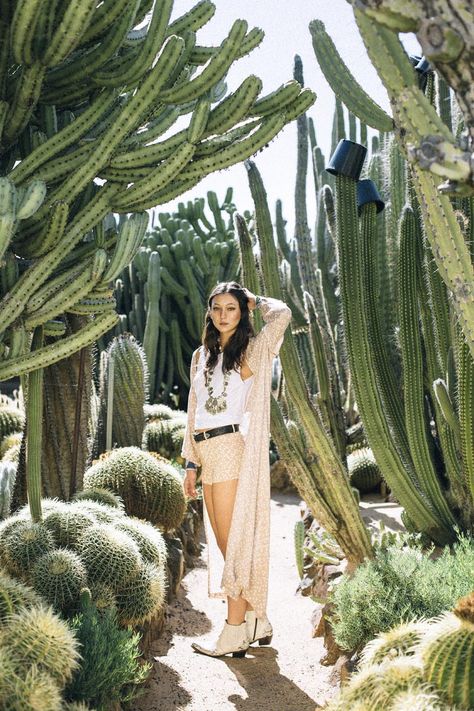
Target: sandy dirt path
[285,676]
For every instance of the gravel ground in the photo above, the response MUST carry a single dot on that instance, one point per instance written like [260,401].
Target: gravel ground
[285,676]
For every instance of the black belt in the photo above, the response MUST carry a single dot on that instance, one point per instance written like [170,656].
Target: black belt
[215,432]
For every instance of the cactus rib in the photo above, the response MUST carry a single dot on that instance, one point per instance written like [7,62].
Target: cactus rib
[343,83]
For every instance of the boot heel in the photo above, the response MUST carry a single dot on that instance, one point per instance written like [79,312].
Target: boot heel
[240,653]
[266,640]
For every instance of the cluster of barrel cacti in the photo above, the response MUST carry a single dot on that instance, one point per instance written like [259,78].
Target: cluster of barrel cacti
[410,361]
[86,543]
[38,651]
[424,665]
[161,295]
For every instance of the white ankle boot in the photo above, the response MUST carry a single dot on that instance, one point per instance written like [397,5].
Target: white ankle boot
[258,628]
[233,638]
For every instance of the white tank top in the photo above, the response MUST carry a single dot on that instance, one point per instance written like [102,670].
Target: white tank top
[235,398]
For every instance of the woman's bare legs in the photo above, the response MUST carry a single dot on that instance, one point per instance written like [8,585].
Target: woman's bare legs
[219,499]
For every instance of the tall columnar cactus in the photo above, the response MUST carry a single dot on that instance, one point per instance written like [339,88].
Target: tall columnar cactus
[334,496]
[123,394]
[180,260]
[432,150]
[85,97]
[417,447]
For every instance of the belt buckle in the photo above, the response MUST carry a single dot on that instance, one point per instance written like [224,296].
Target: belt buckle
[206,435]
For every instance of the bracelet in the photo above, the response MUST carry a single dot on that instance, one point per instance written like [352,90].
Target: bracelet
[258,301]
[190,465]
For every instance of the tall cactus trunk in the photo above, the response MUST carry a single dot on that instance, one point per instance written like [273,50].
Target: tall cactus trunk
[333,495]
[34,418]
[365,378]
[63,463]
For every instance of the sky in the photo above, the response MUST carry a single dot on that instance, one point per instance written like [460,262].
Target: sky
[285,24]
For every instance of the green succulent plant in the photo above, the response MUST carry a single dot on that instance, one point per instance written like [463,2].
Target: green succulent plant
[150,487]
[103,542]
[37,636]
[58,577]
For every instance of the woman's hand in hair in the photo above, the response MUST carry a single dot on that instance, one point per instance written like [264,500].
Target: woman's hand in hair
[251,297]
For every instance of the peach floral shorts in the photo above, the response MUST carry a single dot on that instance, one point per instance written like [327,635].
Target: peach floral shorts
[221,457]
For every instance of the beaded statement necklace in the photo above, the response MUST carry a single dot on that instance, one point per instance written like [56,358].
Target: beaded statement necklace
[215,403]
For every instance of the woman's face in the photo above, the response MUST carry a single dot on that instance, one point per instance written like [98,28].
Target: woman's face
[225,313]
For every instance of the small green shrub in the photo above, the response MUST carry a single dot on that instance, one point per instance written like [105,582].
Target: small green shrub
[399,585]
[110,666]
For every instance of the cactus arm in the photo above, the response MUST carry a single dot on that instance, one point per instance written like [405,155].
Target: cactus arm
[201,55]
[194,19]
[131,234]
[47,355]
[69,31]
[23,23]
[128,119]
[302,233]
[24,101]
[64,138]
[143,190]
[235,107]
[447,425]
[299,536]
[41,244]
[104,17]
[247,263]
[278,99]
[198,122]
[342,82]
[447,408]
[155,36]
[32,199]
[212,73]
[449,249]
[87,63]
[413,366]
[333,415]
[175,338]
[237,151]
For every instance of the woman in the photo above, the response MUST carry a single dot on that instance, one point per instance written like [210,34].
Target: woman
[227,433]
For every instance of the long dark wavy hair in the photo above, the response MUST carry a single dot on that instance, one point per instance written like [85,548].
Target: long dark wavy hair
[234,350]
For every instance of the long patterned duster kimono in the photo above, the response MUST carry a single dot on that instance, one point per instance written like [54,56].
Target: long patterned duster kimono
[246,567]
